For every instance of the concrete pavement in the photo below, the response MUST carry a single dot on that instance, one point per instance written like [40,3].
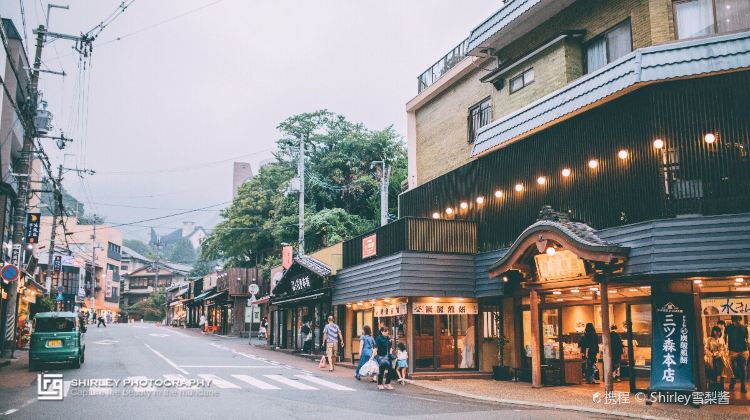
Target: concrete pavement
[127,365]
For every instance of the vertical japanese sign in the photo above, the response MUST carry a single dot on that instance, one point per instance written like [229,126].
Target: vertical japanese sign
[57,264]
[32,227]
[673,346]
[15,256]
[369,246]
[110,277]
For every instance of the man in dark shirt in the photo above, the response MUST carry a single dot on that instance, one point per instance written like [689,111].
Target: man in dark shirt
[736,335]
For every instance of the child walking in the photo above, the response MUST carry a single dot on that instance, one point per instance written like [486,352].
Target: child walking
[402,365]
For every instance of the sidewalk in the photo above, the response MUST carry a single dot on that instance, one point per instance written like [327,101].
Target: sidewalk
[15,373]
[575,398]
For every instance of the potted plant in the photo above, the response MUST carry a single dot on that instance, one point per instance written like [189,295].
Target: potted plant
[501,372]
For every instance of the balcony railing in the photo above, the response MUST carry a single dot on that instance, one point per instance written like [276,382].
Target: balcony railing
[437,70]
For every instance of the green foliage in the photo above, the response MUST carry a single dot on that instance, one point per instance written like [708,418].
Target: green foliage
[342,198]
[151,309]
[202,267]
[45,304]
[91,219]
[138,246]
[181,252]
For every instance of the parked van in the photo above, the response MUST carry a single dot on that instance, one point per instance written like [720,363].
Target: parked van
[56,337]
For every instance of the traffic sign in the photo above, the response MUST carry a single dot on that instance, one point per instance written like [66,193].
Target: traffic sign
[252,300]
[254,289]
[10,272]
[60,289]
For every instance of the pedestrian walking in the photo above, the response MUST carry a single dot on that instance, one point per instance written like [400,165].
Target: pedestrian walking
[717,360]
[737,341]
[383,343]
[366,346]
[589,345]
[86,317]
[332,337]
[616,350]
[101,322]
[202,323]
[402,360]
[307,336]
[109,318]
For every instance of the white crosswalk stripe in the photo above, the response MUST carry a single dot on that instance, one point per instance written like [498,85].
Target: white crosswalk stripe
[291,382]
[325,383]
[180,379]
[255,382]
[221,383]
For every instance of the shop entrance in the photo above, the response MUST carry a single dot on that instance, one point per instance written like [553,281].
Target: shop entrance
[445,342]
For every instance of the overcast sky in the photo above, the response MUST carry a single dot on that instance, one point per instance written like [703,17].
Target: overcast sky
[169,106]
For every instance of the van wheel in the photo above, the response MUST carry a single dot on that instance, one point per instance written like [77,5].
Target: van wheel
[77,363]
[83,357]
[33,366]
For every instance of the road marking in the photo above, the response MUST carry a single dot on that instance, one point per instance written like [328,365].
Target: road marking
[66,388]
[219,382]
[159,335]
[179,378]
[230,367]
[167,360]
[290,382]
[9,412]
[325,383]
[255,382]
[139,389]
[106,342]
[181,334]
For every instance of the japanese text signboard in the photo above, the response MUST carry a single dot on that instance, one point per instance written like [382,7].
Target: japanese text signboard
[459,308]
[286,257]
[396,309]
[57,264]
[726,306]
[369,246]
[673,346]
[32,227]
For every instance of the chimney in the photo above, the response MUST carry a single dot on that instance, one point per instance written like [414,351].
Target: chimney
[187,228]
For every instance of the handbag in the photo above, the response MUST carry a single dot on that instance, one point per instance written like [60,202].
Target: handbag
[322,363]
[369,368]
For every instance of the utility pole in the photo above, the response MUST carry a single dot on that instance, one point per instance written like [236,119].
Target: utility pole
[53,232]
[385,177]
[22,199]
[93,270]
[301,175]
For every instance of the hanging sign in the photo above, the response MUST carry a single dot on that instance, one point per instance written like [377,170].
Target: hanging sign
[673,344]
[32,227]
[108,290]
[15,256]
[300,284]
[561,265]
[395,309]
[445,308]
[369,246]
[57,263]
[726,306]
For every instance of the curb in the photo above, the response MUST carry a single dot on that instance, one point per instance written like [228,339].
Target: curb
[533,403]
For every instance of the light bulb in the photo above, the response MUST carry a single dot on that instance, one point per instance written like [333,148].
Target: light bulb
[623,154]
[709,138]
[541,180]
[566,172]
[658,143]
[519,187]
[593,164]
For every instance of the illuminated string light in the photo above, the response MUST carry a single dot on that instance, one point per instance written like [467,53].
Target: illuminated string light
[435,215]
[464,205]
[593,164]
[709,138]
[519,187]
[623,154]
[541,180]
[449,210]
[658,143]
[499,194]
[480,200]
[566,172]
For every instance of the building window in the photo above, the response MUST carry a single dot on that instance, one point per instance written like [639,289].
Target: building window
[694,18]
[479,116]
[490,315]
[608,47]
[522,80]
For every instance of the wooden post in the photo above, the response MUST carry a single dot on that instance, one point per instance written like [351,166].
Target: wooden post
[606,345]
[536,362]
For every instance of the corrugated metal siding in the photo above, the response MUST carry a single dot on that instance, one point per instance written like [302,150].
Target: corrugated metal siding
[483,284]
[680,59]
[713,178]
[685,245]
[406,274]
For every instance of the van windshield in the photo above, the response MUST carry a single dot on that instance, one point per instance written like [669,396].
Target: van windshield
[55,325]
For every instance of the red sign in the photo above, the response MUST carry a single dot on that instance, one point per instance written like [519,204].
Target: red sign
[370,246]
[286,257]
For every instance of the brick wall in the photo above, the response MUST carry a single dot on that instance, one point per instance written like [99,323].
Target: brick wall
[441,124]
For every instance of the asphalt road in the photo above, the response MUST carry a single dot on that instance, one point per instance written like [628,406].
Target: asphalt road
[246,382]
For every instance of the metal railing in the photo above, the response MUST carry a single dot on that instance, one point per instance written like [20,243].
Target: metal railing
[445,63]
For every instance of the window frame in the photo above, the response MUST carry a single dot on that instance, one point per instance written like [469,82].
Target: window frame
[715,22]
[603,36]
[522,76]
[470,129]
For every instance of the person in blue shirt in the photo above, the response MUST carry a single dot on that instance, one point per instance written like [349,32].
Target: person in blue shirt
[366,345]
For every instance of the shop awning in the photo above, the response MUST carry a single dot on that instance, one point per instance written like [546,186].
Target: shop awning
[297,299]
[204,294]
[182,293]
[177,302]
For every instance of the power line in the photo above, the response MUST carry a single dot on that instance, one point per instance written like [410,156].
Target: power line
[186,167]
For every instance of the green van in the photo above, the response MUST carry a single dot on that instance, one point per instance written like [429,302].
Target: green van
[56,337]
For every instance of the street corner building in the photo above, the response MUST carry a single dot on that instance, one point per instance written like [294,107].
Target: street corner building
[597,173]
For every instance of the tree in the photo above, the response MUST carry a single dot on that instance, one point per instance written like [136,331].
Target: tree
[91,219]
[342,198]
[202,267]
[152,308]
[182,252]
[138,246]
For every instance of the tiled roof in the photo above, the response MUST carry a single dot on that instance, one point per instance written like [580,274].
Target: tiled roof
[314,265]
[643,66]
[508,13]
